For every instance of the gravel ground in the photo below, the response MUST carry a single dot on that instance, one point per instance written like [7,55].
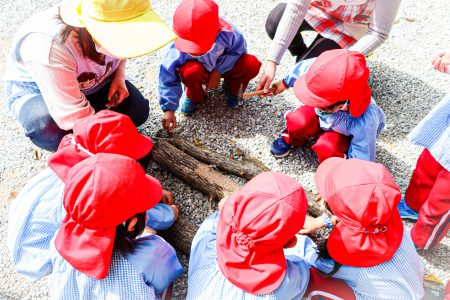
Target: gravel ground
[402,80]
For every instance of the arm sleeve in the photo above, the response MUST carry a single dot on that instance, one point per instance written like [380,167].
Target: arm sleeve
[364,131]
[288,27]
[307,250]
[169,87]
[156,261]
[34,218]
[296,279]
[384,14]
[236,46]
[299,69]
[54,70]
[160,217]
[203,249]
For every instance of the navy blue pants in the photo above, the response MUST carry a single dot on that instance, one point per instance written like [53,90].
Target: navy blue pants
[42,130]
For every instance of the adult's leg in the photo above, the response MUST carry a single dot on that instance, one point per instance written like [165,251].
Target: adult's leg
[429,194]
[297,46]
[39,126]
[245,69]
[193,74]
[317,47]
[135,105]
[301,124]
[331,144]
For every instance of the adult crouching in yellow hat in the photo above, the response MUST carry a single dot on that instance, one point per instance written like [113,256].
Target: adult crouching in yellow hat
[69,61]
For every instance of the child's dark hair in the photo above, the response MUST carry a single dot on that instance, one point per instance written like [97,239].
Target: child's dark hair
[123,242]
[85,39]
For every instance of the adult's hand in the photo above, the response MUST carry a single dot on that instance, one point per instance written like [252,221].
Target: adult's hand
[441,62]
[267,77]
[169,121]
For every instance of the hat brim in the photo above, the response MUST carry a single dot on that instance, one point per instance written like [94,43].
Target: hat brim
[304,94]
[357,249]
[140,147]
[187,46]
[323,171]
[125,39]
[358,106]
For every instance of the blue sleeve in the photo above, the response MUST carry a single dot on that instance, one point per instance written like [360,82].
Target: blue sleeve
[235,47]
[160,217]
[296,279]
[156,261]
[203,248]
[299,69]
[169,87]
[307,249]
[364,131]
[34,218]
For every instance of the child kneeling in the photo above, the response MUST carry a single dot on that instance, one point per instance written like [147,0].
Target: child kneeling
[338,110]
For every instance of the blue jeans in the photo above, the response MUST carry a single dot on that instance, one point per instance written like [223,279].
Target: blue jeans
[42,130]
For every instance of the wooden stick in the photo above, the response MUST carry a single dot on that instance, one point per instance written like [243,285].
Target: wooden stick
[257,93]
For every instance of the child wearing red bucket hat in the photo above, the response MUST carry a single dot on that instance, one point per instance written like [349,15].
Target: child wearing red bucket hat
[99,249]
[207,48]
[238,252]
[37,211]
[338,109]
[368,245]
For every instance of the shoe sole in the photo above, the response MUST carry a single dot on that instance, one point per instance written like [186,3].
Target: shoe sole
[281,155]
[414,219]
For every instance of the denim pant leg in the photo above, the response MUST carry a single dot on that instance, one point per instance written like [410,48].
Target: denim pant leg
[39,126]
[135,106]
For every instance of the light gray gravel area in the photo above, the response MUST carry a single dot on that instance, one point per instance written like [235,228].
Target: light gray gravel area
[402,80]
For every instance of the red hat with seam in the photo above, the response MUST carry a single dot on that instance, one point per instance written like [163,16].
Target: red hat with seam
[101,192]
[197,23]
[254,225]
[105,132]
[336,75]
[364,197]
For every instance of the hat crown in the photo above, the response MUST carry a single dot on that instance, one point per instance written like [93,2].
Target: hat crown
[115,10]
[197,20]
[338,75]
[106,131]
[99,189]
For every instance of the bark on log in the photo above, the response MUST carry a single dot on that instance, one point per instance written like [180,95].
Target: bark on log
[244,169]
[198,175]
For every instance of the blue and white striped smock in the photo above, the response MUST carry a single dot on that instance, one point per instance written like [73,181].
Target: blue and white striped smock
[363,130]
[433,132]
[399,278]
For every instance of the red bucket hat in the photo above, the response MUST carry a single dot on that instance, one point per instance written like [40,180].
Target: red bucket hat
[101,192]
[197,23]
[364,197]
[336,75]
[254,225]
[106,131]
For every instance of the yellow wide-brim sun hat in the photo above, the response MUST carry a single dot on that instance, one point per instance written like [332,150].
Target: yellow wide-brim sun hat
[125,28]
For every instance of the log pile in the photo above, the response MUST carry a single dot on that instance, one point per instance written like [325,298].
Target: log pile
[197,167]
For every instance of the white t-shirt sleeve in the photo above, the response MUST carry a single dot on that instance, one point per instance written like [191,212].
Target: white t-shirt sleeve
[53,69]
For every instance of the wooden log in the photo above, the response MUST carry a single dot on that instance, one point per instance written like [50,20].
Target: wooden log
[198,175]
[180,235]
[244,169]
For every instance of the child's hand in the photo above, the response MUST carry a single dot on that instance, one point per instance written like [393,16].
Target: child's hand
[167,197]
[176,212]
[279,87]
[312,224]
[214,80]
[169,122]
[150,230]
[441,62]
